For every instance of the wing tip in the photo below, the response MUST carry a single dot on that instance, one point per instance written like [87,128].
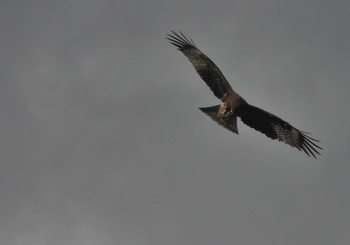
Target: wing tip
[309,146]
[179,40]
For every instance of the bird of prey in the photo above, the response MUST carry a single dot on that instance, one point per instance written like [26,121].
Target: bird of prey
[233,105]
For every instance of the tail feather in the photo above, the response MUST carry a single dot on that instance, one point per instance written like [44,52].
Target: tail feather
[229,123]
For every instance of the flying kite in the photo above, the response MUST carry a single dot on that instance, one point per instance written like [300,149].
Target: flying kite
[233,105]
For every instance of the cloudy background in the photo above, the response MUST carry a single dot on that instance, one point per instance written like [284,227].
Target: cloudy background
[102,142]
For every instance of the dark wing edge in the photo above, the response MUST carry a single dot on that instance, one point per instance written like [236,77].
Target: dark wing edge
[276,128]
[206,68]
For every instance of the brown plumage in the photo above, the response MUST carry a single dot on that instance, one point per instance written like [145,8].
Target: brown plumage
[234,105]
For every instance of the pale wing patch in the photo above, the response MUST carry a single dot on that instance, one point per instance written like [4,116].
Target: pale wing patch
[290,136]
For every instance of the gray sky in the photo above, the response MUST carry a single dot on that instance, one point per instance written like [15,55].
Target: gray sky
[102,142]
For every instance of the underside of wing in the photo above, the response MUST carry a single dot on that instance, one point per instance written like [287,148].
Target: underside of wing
[206,68]
[276,128]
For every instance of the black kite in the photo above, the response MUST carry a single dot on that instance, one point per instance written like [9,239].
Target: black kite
[234,105]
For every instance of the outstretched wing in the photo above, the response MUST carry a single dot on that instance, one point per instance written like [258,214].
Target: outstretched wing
[206,68]
[275,128]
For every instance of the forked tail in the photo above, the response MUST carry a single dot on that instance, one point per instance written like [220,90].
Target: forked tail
[229,123]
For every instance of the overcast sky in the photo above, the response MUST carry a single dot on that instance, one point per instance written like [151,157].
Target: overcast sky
[102,141]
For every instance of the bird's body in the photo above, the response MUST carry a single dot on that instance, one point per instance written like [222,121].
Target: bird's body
[233,105]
